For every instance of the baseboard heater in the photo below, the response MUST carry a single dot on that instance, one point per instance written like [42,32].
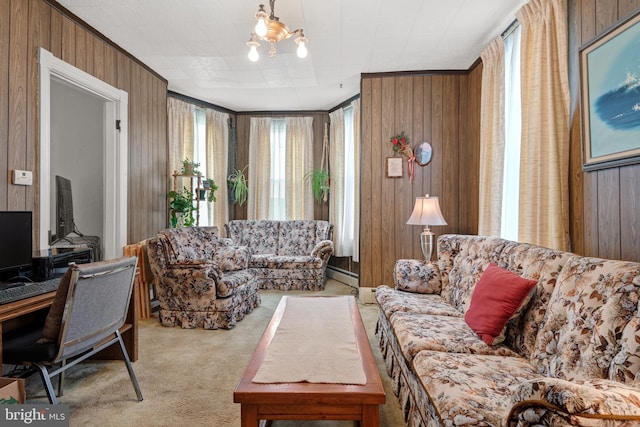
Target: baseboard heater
[343,276]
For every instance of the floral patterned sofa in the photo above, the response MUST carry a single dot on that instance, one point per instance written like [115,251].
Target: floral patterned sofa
[285,254]
[201,280]
[570,353]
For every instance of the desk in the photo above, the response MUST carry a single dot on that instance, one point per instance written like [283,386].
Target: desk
[129,331]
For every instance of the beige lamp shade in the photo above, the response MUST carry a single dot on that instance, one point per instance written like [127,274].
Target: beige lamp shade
[426,211]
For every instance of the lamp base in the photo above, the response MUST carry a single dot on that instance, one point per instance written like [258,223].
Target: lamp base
[426,243]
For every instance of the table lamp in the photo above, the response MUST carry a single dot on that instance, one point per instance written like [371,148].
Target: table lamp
[426,212]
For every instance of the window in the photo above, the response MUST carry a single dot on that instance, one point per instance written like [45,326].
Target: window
[513,122]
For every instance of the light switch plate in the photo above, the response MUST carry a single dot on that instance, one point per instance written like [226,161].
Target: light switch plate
[22,177]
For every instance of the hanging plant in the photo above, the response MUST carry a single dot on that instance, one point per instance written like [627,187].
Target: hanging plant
[238,185]
[320,182]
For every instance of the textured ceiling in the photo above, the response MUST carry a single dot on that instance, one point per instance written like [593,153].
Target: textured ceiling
[199,45]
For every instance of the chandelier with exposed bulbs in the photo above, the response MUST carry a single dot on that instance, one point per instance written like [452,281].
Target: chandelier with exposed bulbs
[270,29]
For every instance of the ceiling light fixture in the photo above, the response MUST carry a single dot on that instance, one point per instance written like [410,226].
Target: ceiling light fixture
[270,29]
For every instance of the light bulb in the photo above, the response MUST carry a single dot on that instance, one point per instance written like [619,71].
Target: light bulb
[302,51]
[302,46]
[261,28]
[253,54]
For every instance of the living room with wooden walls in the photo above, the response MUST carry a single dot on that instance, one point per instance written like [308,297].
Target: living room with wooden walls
[604,203]
[26,25]
[443,109]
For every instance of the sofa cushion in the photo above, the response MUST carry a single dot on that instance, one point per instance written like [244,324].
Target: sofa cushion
[284,262]
[298,237]
[261,236]
[471,389]
[469,257]
[591,307]
[391,301]
[417,332]
[189,243]
[498,296]
[536,263]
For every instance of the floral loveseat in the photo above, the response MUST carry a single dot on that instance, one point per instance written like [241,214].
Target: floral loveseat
[570,353]
[285,254]
[201,281]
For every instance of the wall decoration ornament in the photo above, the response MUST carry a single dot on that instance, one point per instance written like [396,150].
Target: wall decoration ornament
[394,167]
[610,84]
[400,144]
[423,153]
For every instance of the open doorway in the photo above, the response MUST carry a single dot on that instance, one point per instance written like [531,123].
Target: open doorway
[85,141]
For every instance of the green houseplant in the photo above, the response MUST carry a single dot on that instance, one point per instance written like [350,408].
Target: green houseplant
[208,190]
[319,184]
[189,167]
[239,186]
[181,208]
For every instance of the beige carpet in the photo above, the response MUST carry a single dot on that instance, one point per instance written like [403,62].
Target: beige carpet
[187,376]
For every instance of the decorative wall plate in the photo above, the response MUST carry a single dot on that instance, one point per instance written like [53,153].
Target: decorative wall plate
[423,153]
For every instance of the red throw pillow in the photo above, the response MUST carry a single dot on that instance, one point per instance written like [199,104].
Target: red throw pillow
[497,297]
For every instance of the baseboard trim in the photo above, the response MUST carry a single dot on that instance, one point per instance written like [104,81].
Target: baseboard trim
[334,274]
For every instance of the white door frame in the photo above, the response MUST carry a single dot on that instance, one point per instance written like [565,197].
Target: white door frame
[115,150]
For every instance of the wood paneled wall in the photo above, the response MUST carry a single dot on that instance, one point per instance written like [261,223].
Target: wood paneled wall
[243,126]
[605,203]
[26,25]
[442,109]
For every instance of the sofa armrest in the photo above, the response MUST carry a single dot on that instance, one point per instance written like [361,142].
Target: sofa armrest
[187,281]
[411,275]
[232,258]
[323,250]
[550,401]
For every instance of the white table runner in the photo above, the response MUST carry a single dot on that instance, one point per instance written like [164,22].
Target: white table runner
[315,342]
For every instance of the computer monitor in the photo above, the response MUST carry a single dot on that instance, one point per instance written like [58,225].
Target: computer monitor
[16,243]
[64,208]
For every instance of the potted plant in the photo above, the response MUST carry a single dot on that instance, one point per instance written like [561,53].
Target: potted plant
[319,184]
[181,208]
[189,167]
[208,190]
[239,186]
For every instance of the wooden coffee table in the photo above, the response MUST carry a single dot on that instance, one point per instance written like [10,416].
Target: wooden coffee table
[310,401]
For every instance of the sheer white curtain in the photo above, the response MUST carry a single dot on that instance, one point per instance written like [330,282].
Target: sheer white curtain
[180,128]
[544,167]
[345,171]
[217,153]
[491,139]
[299,162]
[356,180]
[259,174]
[513,131]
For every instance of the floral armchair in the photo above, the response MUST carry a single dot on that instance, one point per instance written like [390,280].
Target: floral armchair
[202,281]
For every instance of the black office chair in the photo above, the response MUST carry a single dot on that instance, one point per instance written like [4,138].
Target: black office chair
[89,308]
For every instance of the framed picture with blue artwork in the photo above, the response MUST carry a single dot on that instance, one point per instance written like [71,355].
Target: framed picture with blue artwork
[610,84]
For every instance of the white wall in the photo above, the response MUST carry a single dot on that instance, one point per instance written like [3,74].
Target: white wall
[77,153]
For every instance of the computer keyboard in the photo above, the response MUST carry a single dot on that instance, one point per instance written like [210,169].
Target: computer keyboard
[18,291]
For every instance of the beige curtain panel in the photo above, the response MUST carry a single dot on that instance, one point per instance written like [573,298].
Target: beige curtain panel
[492,139]
[259,178]
[544,166]
[217,156]
[299,162]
